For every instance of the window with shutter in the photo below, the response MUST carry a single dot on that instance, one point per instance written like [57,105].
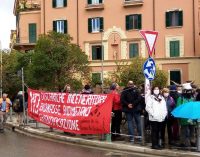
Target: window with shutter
[133,50]
[174,48]
[59,3]
[32,33]
[133,21]
[95,24]
[174,18]
[60,26]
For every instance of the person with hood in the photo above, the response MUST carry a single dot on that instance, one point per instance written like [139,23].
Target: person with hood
[130,100]
[157,111]
[187,131]
[5,105]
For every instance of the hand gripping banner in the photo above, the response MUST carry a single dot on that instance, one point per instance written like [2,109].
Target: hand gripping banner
[75,113]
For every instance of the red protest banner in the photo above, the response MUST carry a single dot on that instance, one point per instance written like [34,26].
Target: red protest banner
[75,113]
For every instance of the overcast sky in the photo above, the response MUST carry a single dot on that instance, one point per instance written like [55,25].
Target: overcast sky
[7,21]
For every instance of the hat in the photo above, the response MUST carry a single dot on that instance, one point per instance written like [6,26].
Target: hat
[187,86]
[20,93]
[173,87]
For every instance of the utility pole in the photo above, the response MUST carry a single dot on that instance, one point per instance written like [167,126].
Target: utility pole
[102,58]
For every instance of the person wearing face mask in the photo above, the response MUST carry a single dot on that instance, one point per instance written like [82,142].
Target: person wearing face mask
[157,110]
[187,131]
[169,119]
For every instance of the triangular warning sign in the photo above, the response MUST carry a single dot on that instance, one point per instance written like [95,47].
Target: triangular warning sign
[150,39]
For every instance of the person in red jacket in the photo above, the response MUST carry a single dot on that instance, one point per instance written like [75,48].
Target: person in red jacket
[117,112]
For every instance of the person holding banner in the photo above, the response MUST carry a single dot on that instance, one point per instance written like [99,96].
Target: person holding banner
[117,112]
[157,111]
[130,100]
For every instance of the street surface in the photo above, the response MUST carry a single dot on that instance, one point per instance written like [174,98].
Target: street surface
[13,144]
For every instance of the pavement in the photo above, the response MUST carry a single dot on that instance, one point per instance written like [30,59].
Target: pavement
[44,132]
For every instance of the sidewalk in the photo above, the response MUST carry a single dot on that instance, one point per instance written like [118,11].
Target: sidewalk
[43,131]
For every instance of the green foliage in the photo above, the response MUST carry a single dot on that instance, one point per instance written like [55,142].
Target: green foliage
[134,72]
[55,62]
[11,81]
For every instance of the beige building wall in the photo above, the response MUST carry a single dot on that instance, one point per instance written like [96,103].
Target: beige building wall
[116,38]
[25,19]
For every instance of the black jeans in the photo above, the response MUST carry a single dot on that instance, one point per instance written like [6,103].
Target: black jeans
[169,123]
[156,128]
[116,121]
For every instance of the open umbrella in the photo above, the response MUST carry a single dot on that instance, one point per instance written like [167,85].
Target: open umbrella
[190,110]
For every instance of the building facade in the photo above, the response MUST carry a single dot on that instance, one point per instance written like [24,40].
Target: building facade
[108,30]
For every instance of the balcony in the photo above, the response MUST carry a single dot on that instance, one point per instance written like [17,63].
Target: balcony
[28,6]
[99,6]
[130,3]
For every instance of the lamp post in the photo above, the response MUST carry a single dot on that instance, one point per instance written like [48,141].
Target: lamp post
[102,58]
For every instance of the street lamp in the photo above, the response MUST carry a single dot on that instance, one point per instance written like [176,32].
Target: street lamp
[102,57]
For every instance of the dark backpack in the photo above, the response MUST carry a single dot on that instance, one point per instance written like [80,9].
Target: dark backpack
[16,105]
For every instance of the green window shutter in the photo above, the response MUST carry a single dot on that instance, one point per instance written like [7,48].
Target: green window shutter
[54,3]
[101,24]
[32,33]
[65,3]
[55,26]
[133,50]
[94,53]
[127,22]
[89,25]
[89,1]
[177,48]
[139,21]
[174,48]
[100,1]
[167,20]
[65,26]
[180,18]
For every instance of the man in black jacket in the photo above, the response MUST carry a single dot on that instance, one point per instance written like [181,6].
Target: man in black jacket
[130,100]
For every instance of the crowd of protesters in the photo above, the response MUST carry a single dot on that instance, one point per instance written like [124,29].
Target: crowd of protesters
[132,103]
[157,110]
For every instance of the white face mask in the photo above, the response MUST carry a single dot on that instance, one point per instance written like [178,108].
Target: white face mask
[156,91]
[166,94]
[179,91]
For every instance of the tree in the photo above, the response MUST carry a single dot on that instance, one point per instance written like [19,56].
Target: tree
[54,62]
[134,72]
[11,81]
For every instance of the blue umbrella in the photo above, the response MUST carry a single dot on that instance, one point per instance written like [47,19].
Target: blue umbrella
[190,110]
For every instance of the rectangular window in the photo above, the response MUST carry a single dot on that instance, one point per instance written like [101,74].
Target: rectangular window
[60,26]
[175,76]
[97,52]
[95,24]
[174,18]
[133,21]
[32,33]
[175,48]
[133,50]
[94,2]
[59,3]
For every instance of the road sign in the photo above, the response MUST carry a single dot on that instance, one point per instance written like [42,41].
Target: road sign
[149,69]
[150,39]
